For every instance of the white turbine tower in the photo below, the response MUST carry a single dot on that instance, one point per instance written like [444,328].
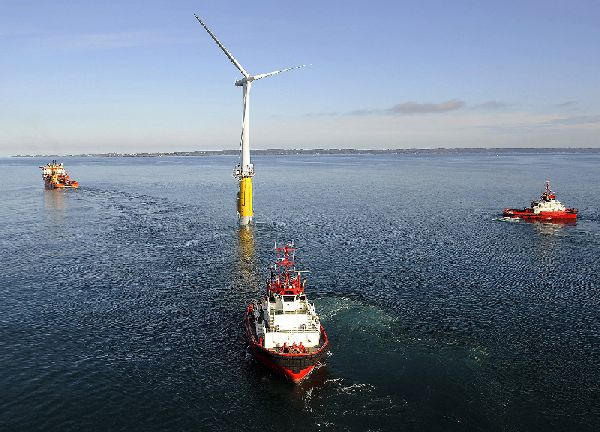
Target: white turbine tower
[245,170]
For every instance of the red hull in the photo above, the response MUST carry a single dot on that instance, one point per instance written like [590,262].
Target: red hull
[529,215]
[268,361]
[294,367]
[72,185]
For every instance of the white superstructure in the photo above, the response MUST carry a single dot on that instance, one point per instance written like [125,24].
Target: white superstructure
[285,320]
[547,204]
[53,168]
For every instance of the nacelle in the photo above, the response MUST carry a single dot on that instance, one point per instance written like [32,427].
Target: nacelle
[243,81]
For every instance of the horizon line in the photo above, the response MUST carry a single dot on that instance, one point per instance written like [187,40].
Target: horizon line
[331,151]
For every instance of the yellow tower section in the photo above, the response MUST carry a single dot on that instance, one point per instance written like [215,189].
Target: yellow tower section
[244,201]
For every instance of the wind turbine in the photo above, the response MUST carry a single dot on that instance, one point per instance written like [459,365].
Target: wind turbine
[245,170]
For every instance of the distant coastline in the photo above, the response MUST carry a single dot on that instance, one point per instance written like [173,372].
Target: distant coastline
[284,152]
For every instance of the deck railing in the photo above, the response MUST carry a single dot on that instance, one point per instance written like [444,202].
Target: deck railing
[308,329]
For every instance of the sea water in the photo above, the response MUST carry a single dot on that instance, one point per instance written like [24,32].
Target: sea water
[121,303]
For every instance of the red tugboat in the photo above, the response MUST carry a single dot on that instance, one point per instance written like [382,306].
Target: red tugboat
[547,209]
[55,176]
[283,329]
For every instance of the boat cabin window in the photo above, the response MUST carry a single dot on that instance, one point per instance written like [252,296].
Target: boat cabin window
[288,298]
[302,297]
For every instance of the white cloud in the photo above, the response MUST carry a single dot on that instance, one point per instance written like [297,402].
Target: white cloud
[403,108]
[425,108]
[492,104]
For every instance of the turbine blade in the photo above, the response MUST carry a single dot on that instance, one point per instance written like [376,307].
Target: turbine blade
[227,53]
[259,76]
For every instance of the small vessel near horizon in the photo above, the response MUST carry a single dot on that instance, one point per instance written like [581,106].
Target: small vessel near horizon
[283,329]
[55,176]
[546,209]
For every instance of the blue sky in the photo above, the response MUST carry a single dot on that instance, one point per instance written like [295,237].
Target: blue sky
[99,76]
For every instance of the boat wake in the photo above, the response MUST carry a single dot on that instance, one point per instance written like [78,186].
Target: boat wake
[508,219]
